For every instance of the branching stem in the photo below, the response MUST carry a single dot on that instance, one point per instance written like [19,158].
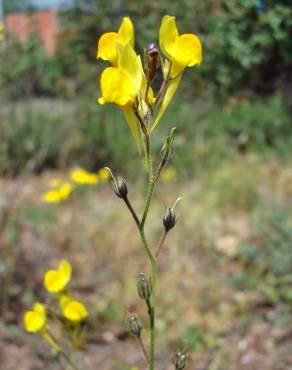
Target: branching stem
[160,244]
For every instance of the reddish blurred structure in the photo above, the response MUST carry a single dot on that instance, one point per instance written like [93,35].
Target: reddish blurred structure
[41,23]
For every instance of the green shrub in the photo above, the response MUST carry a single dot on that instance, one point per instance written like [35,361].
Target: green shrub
[52,133]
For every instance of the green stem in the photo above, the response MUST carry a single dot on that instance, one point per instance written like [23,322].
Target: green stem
[151,306]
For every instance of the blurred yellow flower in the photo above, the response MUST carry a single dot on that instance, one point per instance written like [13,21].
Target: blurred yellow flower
[72,310]
[103,174]
[65,190]
[2,31]
[52,196]
[80,176]
[168,174]
[56,281]
[35,319]
[59,194]
[182,50]
[106,48]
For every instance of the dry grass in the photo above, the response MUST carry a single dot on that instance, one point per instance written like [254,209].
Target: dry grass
[226,327]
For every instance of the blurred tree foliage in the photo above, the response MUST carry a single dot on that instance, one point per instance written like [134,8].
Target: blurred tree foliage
[16,5]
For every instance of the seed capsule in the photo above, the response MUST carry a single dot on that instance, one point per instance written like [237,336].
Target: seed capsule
[180,360]
[120,187]
[144,287]
[169,219]
[152,60]
[135,325]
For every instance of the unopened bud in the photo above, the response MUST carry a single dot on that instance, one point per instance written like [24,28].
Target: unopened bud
[144,287]
[180,360]
[135,325]
[152,60]
[169,219]
[120,187]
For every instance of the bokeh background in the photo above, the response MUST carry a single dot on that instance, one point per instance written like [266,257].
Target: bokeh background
[226,270]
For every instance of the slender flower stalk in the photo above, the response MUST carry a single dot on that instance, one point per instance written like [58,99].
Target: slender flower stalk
[128,84]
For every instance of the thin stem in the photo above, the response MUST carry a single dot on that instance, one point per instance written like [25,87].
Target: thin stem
[49,337]
[143,349]
[131,209]
[68,359]
[148,201]
[160,244]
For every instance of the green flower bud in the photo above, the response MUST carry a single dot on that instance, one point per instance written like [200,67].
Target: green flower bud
[144,287]
[180,360]
[135,325]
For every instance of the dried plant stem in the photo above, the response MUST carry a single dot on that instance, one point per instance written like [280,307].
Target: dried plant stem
[160,244]
[131,209]
[143,349]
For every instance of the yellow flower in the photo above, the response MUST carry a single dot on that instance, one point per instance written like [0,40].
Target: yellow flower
[56,281]
[65,190]
[59,194]
[103,174]
[121,85]
[182,50]
[83,177]
[72,310]
[35,320]
[52,196]
[106,49]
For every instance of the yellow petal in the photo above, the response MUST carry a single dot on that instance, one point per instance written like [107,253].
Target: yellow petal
[65,270]
[172,86]
[132,123]
[130,62]
[103,174]
[106,48]
[52,196]
[117,87]
[56,281]
[40,308]
[167,36]
[73,310]
[188,50]
[81,176]
[35,319]
[126,32]
[65,190]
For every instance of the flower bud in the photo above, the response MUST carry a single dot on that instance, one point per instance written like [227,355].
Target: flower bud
[120,187]
[135,325]
[144,287]
[152,60]
[180,360]
[169,219]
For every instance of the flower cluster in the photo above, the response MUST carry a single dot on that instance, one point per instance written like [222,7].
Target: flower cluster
[62,190]
[127,83]
[72,311]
